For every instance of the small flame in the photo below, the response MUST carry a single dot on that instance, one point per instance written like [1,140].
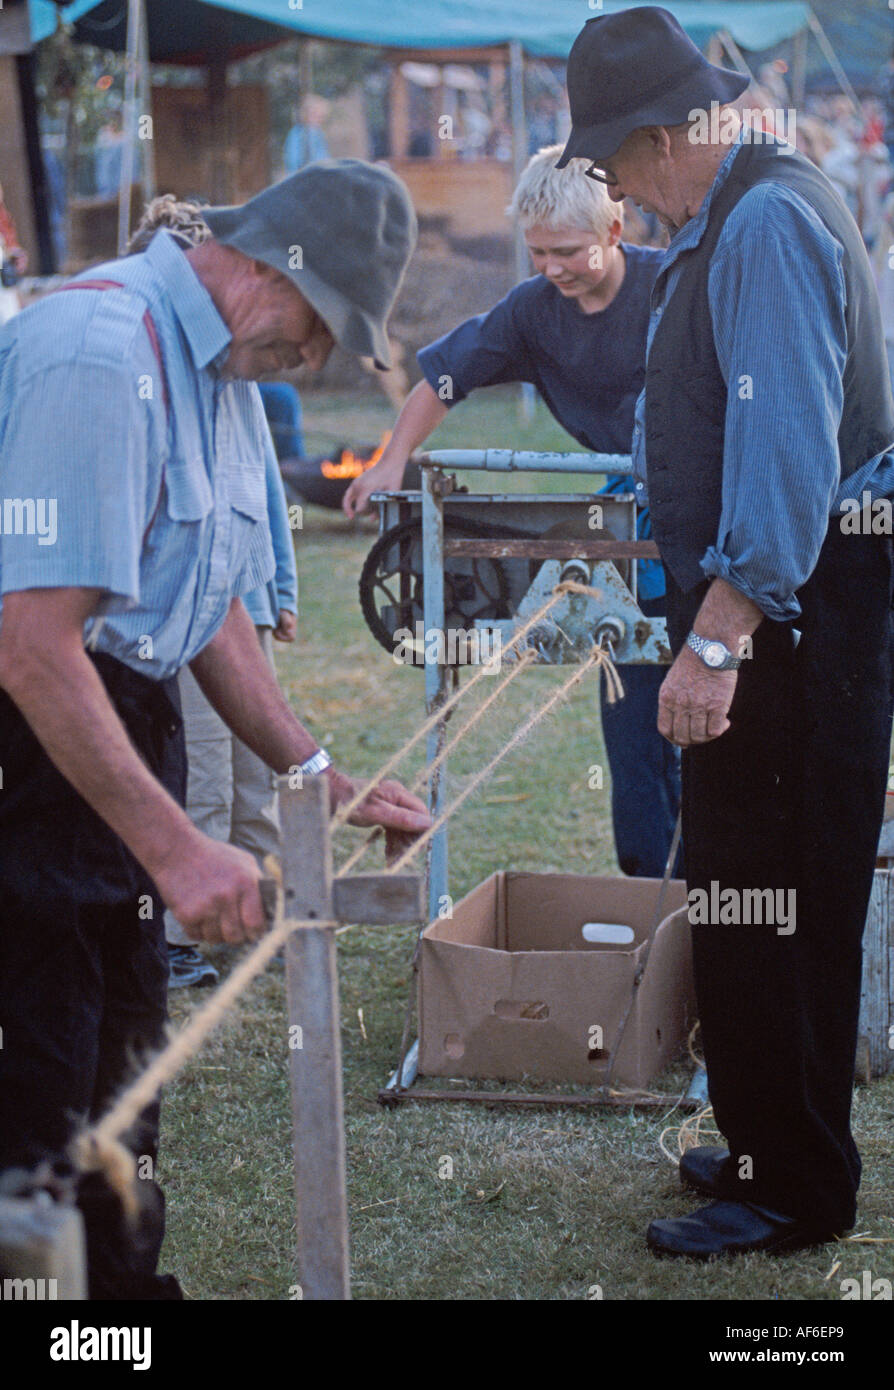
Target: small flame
[350,465]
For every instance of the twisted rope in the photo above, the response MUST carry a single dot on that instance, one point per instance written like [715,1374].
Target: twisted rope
[426,773]
[100,1146]
[596,657]
[348,809]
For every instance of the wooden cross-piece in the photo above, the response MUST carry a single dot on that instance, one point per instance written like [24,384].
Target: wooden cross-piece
[310,892]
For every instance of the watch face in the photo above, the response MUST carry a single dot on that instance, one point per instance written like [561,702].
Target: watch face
[714,654]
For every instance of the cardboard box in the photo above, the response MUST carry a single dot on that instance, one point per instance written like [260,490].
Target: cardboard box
[509,987]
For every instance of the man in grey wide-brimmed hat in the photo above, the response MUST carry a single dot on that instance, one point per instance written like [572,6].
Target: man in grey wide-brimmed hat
[764,431]
[129,429]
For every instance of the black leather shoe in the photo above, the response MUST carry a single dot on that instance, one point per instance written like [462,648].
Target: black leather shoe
[706,1169]
[731,1228]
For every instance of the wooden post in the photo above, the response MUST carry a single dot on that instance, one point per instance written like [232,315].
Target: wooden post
[315,1045]
[875,1055]
[398,114]
[218,175]
[42,1249]
[131,115]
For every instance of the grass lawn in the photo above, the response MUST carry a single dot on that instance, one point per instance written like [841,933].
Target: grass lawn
[541,1205]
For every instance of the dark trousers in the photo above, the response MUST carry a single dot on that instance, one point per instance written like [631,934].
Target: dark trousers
[83,975]
[645,769]
[792,797]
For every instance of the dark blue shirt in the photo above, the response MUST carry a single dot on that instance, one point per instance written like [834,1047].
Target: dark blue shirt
[589,368]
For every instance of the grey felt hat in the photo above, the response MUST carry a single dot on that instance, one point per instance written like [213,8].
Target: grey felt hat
[342,231]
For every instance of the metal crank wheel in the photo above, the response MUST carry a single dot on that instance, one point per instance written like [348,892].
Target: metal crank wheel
[391,582]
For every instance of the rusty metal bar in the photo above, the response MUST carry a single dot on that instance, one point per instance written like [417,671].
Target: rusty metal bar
[557,548]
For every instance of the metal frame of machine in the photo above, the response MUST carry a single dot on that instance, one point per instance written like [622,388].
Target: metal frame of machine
[603,560]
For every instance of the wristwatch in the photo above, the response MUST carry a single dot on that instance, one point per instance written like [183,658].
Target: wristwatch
[317,762]
[714,654]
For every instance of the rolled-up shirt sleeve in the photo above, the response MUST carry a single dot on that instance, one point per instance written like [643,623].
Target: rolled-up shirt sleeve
[75,481]
[777,297]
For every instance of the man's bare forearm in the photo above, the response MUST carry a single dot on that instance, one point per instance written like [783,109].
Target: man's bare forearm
[237,681]
[727,615]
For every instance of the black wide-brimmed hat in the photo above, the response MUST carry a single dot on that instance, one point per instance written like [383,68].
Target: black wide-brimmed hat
[342,231]
[634,69]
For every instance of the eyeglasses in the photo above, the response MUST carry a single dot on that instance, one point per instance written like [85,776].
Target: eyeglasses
[600,176]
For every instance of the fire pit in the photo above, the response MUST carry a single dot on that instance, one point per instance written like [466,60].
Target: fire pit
[323,481]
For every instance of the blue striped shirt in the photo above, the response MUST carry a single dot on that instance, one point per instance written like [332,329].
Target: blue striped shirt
[163,510]
[776,292]
[264,605]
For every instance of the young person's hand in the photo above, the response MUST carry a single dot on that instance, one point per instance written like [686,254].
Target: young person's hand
[384,476]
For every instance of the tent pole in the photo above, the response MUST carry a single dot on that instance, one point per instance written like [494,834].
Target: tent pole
[219,184]
[398,113]
[735,53]
[831,57]
[799,69]
[147,145]
[519,160]
[128,161]
[36,173]
[519,140]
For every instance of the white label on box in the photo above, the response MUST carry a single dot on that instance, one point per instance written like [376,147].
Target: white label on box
[608,933]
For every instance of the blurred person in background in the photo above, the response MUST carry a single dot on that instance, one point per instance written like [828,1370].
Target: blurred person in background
[887,95]
[282,406]
[13,264]
[306,142]
[108,156]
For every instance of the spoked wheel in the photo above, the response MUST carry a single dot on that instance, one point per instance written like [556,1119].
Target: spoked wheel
[391,582]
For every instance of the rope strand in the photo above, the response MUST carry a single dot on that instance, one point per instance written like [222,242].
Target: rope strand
[344,812]
[425,774]
[596,657]
[100,1146]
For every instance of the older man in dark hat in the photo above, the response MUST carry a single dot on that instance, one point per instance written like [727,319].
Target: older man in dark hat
[767,410]
[129,437]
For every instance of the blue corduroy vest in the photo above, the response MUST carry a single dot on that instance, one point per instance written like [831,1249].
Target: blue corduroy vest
[686,394]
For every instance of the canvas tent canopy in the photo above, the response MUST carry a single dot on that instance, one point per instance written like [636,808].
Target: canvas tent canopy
[191,30]
[212,33]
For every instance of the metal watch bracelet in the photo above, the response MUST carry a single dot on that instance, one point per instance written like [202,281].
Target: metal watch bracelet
[317,762]
[713,653]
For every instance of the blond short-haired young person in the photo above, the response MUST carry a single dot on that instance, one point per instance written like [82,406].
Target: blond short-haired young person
[573,232]
[577,331]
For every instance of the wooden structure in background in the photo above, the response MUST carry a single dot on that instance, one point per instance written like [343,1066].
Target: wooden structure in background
[470,194]
[21,167]
[216,149]
[14,172]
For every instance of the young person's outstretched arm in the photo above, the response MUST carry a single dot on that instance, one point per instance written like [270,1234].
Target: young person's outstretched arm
[422,412]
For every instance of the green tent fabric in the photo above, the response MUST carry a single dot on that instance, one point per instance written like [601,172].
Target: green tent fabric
[198,29]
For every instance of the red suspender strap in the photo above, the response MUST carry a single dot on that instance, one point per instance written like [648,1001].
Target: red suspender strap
[156,348]
[147,320]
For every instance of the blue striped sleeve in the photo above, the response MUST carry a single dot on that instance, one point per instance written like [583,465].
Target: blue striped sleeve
[77,439]
[777,297]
